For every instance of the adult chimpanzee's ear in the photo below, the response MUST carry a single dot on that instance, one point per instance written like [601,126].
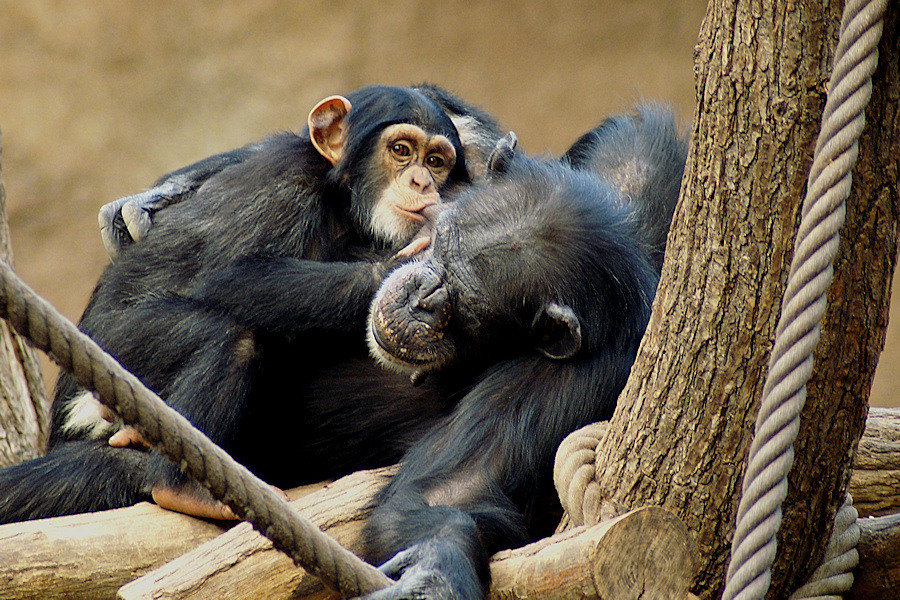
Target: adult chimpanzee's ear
[557,331]
[502,155]
[328,126]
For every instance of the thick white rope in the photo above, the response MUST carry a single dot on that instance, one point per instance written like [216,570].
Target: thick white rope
[835,575]
[790,366]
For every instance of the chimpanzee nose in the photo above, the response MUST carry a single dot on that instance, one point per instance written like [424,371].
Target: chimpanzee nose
[431,302]
[420,179]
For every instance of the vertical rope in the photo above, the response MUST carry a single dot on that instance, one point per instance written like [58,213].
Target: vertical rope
[790,366]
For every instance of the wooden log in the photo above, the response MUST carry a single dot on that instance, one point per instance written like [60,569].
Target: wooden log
[241,563]
[878,574]
[24,405]
[90,556]
[646,553]
[875,479]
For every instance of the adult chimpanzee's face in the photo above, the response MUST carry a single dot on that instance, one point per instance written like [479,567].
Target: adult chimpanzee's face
[491,286]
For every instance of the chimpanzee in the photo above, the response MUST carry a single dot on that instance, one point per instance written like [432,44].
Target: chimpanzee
[523,319]
[269,268]
[544,276]
[128,219]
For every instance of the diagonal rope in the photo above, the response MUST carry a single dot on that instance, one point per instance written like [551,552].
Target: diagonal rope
[790,366]
[177,439]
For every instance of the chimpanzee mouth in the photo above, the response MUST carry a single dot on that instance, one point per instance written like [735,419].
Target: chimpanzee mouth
[419,214]
[412,215]
[386,353]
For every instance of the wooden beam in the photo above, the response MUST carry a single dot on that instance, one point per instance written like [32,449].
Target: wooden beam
[90,556]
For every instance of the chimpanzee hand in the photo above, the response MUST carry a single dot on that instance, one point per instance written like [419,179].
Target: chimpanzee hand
[422,240]
[437,568]
[127,220]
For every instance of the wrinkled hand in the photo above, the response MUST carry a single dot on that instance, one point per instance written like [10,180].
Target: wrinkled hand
[127,220]
[435,568]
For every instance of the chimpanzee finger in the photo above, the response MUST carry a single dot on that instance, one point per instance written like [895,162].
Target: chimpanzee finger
[414,247]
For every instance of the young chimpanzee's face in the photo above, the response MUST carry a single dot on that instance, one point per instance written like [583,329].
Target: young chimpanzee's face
[539,258]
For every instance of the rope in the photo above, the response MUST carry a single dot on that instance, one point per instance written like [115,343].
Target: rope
[791,362]
[834,576]
[574,474]
[176,438]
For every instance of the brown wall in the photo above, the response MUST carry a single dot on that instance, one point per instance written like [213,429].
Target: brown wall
[99,98]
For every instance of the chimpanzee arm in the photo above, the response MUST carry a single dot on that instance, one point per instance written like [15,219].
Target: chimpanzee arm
[128,219]
[467,489]
[282,295]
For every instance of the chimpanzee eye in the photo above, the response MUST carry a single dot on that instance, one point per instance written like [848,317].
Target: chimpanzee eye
[435,161]
[401,149]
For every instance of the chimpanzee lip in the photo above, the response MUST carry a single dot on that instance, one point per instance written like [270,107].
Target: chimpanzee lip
[379,348]
[413,214]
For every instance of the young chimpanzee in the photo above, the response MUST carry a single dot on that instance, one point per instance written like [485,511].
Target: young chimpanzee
[544,276]
[241,300]
[128,219]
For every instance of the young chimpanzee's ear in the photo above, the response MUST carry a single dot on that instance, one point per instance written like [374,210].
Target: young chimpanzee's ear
[328,127]
[502,155]
[557,331]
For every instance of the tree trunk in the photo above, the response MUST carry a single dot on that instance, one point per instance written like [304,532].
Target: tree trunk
[24,408]
[680,435]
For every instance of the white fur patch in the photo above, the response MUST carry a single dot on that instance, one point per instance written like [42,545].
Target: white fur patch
[389,225]
[84,415]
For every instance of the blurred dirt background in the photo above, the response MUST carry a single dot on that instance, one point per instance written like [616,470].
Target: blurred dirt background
[98,98]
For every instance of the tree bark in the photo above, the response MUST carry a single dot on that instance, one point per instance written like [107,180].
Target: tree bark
[680,435]
[24,407]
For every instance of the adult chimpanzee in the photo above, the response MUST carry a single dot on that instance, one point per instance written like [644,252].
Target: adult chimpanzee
[250,291]
[525,317]
[544,276]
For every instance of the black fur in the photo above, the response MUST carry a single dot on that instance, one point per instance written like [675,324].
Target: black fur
[238,302]
[531,307]
[545,276]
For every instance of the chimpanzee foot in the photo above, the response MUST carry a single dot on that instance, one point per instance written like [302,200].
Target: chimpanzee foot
[434,568]
[191,500]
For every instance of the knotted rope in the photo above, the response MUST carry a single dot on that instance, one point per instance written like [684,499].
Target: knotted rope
[835,575]
[172,435]
[574,474]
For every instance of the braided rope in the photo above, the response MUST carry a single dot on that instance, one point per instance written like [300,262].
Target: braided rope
[574,474]
[834,576]
[176,438]
[790,366]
